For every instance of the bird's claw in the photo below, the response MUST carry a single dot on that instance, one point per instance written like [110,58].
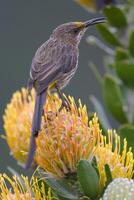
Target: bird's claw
[65,104]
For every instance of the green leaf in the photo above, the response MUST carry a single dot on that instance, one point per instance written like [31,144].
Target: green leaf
[107,35]
[88,179]
[108,174]
[121,54]
[101,113]
[131,43]
[127,131]
[95,166]
[115,16]
[113,98]
[125,71]
[62,188]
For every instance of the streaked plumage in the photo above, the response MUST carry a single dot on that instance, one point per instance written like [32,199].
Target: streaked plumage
[53,61]
[53,65]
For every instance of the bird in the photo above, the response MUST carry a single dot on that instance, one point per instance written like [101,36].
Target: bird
[54,64]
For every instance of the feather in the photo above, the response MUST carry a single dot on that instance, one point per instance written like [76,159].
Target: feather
[36,123]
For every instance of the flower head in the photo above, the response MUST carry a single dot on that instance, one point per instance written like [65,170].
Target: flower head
[88,4]
[65,137]
[120,188]
[17,123]
[108,152]
[20,189]
[93,5]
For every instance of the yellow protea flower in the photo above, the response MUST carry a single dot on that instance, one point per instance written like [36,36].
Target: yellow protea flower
[94,5]
[121,164]
[17,123]
[88,4]
[65,137]
[21,189]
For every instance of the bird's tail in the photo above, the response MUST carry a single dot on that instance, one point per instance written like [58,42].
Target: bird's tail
[36,123]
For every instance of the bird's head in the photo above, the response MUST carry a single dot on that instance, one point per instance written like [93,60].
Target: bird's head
[73,31]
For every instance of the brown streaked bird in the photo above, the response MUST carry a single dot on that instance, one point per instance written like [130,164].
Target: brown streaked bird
[53,65]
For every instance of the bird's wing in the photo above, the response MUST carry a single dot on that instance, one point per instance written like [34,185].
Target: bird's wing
[51,61]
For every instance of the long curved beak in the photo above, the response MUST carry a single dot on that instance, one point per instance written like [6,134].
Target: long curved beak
[95,21]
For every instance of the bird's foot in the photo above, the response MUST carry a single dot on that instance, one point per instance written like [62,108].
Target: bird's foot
[65,104]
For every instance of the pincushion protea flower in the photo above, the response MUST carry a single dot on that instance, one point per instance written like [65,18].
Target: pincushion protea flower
[93,5]
[121,164]
[88,4]
[17,123]
[20,189]
[120,188]
[65,137]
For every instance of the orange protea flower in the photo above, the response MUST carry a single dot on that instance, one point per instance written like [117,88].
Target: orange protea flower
[88,4]
[120,163]
[65,137]
[21,189]
[93,5]
[17,123]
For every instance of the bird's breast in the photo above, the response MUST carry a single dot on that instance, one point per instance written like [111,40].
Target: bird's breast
[65,78]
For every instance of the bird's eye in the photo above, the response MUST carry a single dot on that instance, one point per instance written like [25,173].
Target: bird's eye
[76,31]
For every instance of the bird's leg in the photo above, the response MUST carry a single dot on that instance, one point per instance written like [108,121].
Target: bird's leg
[64,101]
[28,95]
